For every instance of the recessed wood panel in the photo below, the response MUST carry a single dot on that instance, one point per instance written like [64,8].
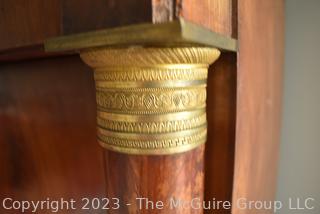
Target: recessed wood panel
[28,22]
[84,15]
[221,109]
[47,131]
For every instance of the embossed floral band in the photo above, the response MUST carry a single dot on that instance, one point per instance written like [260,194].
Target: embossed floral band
[151,100]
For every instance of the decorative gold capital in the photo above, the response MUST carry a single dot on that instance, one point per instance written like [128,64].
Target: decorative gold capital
[151,100]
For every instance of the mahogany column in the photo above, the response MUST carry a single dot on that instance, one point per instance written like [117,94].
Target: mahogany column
[152,122]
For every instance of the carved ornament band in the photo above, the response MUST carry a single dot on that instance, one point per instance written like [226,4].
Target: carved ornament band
[151,100]
[160,124]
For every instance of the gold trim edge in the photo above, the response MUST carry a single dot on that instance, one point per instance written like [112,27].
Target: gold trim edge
[169,151]
[173,144]
[151,127]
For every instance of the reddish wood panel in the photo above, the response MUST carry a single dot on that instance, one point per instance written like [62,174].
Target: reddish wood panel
[260,66]
[178,176]
[221,109]
[28,22]
[47,131]
[217,15]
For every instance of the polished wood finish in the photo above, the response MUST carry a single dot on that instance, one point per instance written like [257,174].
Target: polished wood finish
[47,131]
[219,16]
[28,52]
[83,15]
[221,109]
[178,176]
[260,66]
[28,22]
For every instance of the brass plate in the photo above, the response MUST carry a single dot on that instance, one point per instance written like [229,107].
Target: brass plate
[175,33]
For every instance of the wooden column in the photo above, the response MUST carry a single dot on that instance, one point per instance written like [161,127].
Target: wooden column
[151,120]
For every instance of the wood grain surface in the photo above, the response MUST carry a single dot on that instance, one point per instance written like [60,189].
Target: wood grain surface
[47,132]
[165,177]
[83,15]
[259,87]
[217,15]
[221,109]
[28,22]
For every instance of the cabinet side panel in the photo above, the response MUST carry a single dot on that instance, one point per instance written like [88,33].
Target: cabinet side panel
[260,65]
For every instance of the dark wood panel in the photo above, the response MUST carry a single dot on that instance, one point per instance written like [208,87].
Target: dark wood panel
[221,109]
[260,66]
[35,51]
[47,131]
[28,22]
[84,15]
